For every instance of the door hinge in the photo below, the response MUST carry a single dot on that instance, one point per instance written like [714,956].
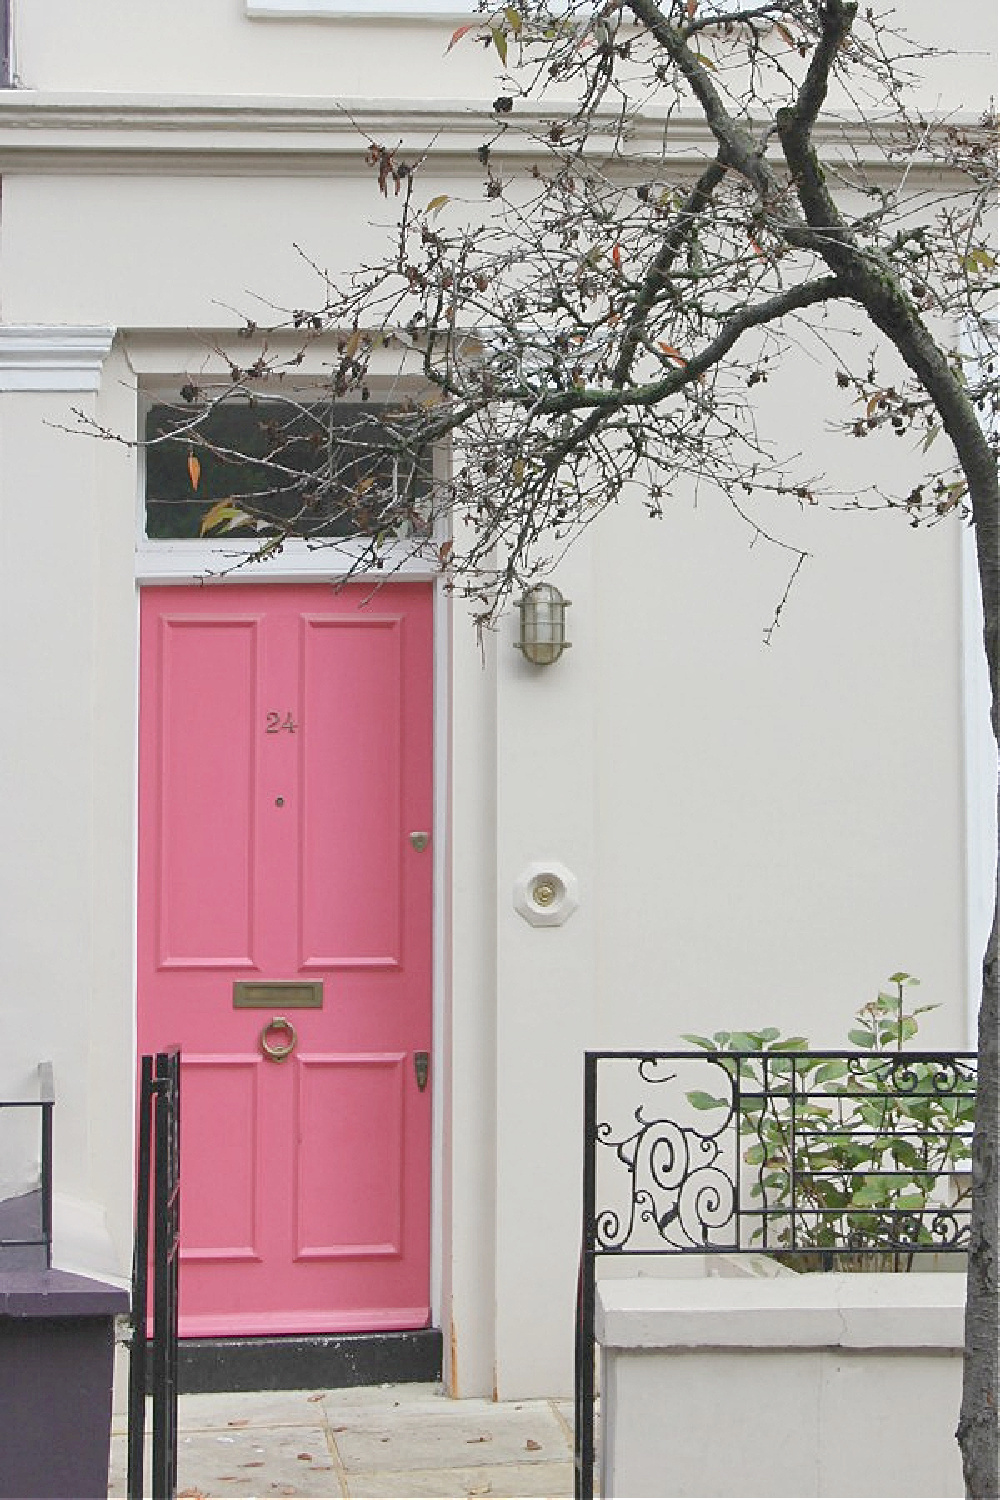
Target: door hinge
[421,1065]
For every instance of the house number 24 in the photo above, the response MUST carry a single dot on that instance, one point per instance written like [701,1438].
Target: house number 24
[275,722]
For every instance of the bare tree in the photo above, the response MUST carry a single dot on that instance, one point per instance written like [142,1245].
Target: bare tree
[593,328]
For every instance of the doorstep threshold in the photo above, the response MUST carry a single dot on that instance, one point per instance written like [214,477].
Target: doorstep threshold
[298,1361]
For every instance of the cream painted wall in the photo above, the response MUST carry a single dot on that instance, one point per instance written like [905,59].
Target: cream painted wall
[65,871]
[780,827]
[190,252]
[213,48]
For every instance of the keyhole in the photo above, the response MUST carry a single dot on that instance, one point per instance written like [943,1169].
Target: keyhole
[279,801]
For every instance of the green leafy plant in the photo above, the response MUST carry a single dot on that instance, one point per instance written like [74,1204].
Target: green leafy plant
[851,1157]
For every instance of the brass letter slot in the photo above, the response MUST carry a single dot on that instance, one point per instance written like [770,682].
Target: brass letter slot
[277,994]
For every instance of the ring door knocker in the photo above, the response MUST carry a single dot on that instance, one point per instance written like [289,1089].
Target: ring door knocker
[278,1051]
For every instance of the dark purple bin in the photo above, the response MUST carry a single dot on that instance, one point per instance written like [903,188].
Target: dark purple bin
[57,1340]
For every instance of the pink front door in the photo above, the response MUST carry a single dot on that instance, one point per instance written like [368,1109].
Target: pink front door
[285,944]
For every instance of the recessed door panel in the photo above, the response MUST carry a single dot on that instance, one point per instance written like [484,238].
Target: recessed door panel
[351,1186]
[205,809]
[285,757]
[352,853]
[222,1105]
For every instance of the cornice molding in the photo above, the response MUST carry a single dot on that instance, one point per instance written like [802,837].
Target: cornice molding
[37,358]
[237,135]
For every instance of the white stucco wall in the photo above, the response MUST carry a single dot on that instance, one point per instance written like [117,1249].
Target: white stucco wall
[394,50]
[759,834]
[814,1385]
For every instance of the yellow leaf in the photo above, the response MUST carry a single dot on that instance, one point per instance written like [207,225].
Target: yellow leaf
[222,516]
[353,344]
[436,204]
[514,18]
[194,470]
[500,43]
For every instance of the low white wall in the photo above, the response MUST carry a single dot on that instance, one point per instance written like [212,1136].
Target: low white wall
[813,1385]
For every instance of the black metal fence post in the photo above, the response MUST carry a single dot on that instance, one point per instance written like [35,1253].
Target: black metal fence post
[153,1361]
[140,1279]
[583,1427]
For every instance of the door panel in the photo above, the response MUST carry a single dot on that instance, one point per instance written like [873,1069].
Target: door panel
[285,758]
[350,1183]
[351,907]
[206,806]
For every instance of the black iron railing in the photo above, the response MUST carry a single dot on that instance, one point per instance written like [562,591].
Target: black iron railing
[26,1212]
[153,1355]
[826,1160]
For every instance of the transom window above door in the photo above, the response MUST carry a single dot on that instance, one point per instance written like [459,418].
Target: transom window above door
[252,468]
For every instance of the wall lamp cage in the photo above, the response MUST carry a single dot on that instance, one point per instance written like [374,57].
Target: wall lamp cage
[542,632]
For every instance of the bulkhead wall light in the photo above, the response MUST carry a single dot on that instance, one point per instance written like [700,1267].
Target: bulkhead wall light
[542,634]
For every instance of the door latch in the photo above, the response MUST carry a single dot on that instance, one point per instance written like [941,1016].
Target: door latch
[421,1064]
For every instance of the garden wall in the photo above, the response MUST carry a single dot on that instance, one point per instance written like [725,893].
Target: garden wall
[829,1384]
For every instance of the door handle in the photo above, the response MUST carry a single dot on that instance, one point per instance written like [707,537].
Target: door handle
[278,1051]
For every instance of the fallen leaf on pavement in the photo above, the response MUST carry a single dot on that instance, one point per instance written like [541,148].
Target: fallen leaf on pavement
[532,1446]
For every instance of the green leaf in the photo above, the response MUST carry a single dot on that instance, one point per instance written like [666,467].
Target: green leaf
[828,1071]
[910,1199]
[861,1038]
[701,1100]
[871,1193]
[500,42]
[932,433]
[699,1041]
[902,978]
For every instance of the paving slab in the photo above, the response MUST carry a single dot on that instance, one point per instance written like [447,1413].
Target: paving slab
[228,1410]
[248,1462]
[460,1434]
[539,1481]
